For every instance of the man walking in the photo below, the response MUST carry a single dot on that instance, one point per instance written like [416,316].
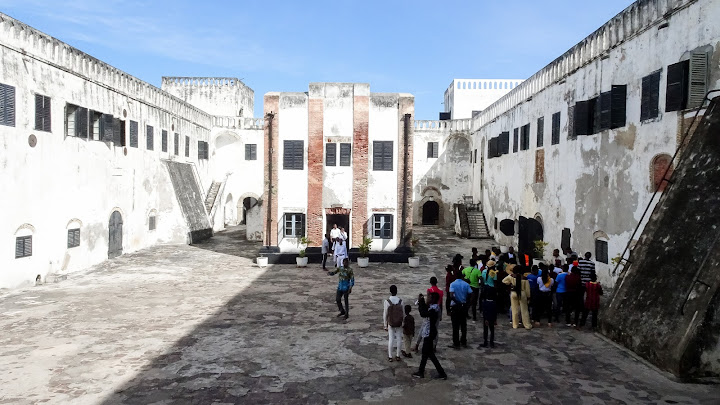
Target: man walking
[393,314]
[460,291]
[428,333]
[325,250]
[346,281]
[334,233]
[340,252]
[587,268]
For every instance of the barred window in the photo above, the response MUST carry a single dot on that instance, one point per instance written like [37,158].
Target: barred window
[73,238]
[383,226]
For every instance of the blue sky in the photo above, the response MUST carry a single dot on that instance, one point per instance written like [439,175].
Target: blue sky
[415,47]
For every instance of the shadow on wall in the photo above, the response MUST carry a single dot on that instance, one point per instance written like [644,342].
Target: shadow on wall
[442,182]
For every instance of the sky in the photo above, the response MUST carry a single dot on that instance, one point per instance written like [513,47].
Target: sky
[415,47]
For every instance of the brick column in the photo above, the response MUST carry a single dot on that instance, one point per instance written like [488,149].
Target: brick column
[271,103]
[316,146]
[406,105]
[361,106]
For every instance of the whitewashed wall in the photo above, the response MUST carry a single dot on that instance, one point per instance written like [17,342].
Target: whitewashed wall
[464,96]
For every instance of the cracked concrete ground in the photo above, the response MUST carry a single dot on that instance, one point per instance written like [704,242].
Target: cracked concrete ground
[201,324]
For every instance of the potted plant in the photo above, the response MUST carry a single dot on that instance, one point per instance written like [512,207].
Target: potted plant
[414,261]
[539,251]
[262,261]
[364,248]
[302,259]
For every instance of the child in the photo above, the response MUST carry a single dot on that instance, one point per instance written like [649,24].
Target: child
[408,331]
[593,291]
[489,316]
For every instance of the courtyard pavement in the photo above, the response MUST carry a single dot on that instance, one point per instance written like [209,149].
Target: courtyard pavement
[202,325]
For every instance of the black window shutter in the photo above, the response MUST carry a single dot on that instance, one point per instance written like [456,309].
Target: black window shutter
[253,151]
[7,105]
[47,111]
[330,154]
[430,149]
[555,129]
[19,247]
[650,96]
[503,144]
[515,140]
[697,79]
[39,112]
[388,156]
[377,155]
[618,106]
[302,225]
[133,134]
[345,154]
[187,146]
[298,156]
[492,148]
[200,150]
[176,144]
[108,130]
[81,122]
[150,137]
[164,140]
[540,131]
[582,115]
[604,107]
[676,93]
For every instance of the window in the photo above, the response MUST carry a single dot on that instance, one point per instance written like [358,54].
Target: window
[294,225]
[687,83]
[601,250]
[555,129]
[151,223]
[76,121]
[42,113]
[73,239]
[540,131]
[330,154]
[7,105]
[432,150]
[650,96]
[515,140]
[503,146]
[293,155]
[133,134]
[493,148]
[187,146]
[607,111]
[23,246]
[661,164]
[150,137]
[176,144]
[97,124]
[202,150]
[164,140]
[475,156]
[118,128]
[250,151]
[382,226]
[525,137]
[383,155]
[107,128]
[345,154]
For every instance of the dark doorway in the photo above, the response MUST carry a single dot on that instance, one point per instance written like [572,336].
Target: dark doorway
[565,242]
[115,248]
[431,213]
[342,221]
[529,230]
[248,203]
[507,227]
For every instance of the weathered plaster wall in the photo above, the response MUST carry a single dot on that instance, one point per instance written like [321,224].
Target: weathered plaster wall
[220,96]
[464,96]
[65,182]
[596,184]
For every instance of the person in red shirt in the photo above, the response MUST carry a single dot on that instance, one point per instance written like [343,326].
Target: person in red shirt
[593,291]
[449,278]
[434,288]
[573,301]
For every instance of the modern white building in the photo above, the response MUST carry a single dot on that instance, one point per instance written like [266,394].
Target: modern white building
[465,96]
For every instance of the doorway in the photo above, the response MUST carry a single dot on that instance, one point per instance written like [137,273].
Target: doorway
[342,221]
[431,213]
[115,247]
[248,202]
[529,231]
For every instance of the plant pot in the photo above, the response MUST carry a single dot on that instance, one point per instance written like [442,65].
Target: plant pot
[301,261]
[363,261]
[262,261]
[503,249]
[414,261]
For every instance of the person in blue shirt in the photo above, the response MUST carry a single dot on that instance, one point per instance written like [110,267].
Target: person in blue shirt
[346,281]
[460,293]
[560,291]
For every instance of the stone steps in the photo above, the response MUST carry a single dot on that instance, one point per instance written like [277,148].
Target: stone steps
[212,195]
[478,227]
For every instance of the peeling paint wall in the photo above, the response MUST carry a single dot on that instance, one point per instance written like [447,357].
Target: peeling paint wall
[601,182]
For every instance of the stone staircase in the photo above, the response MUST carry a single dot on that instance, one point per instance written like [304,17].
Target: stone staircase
[212,195]
[477,226]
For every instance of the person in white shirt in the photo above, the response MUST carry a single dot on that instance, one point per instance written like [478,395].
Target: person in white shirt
[334,233]
[393,315]
[343,234]
[325,249]
[340,252]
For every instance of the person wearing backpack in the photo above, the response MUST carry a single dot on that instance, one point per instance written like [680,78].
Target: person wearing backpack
[393,315]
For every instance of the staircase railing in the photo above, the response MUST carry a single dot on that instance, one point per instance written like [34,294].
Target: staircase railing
[218,196]
[625,261]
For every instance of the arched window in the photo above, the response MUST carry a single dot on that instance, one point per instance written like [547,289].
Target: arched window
[23,241]
[660,164]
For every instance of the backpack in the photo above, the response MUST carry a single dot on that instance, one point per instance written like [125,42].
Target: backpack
[396,313]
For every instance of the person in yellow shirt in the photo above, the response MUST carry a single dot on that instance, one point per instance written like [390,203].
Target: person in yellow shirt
[519,295]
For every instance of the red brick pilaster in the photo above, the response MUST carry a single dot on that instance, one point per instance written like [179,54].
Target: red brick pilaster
[406,105]
[361,105]
[316,146]
[271,104]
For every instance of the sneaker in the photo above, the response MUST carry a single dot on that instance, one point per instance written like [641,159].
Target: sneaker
[418,375]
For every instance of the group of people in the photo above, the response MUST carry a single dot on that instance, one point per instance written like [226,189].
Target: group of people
[492,283]
[334,245]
